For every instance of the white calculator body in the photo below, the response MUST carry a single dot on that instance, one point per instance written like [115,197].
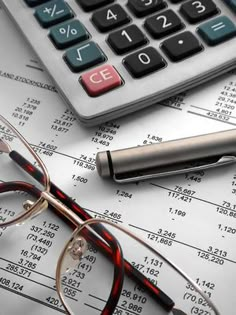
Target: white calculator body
[109,58]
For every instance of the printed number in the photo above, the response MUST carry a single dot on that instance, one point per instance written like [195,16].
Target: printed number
[164,21]
[124,33]
[111,15]
[144,58]
[147,2]
[198,5]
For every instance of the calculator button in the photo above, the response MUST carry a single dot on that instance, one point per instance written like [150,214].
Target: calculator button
[68,33]
[144,62]
[110,18]
[163,24]
[53,12]
[101,80]
[89,5]
[144,7]
[126,39]
[181,46]
[217,31]
[231,4]
[84,56]
[176,1]
[33,3]
[195,11]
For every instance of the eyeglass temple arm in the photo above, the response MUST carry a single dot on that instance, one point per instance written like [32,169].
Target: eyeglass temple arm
[131,271]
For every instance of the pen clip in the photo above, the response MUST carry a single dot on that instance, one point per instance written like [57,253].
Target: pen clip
[224,160]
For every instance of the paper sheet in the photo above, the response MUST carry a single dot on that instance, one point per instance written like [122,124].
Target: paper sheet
[199,208]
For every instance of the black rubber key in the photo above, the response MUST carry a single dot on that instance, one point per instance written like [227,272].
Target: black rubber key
[196,11]
[126,39]
[163,24]
[89,5]
[144,62]
[33,3]
[176,1]
[142,8]
[181,46]
[110,18]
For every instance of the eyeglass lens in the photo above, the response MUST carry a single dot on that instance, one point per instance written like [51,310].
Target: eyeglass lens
[80,274]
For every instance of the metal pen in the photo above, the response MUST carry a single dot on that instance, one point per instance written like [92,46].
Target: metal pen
[168,158]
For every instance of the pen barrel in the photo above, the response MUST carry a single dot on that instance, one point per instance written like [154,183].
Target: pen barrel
[158,155]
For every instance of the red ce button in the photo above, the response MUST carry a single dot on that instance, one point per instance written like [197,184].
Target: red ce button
[101,80]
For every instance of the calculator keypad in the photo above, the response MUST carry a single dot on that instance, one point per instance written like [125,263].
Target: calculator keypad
[126,39]
[141,8]
[33,3]
[181,46]
[159,22]
[53,12]
[111,42]
[196,11]
[84,56]
[232,4]
[89,5]
[68,33]
[109,18]
[100,80]
[176,1]
[144,62]
[217,31]
[163,24]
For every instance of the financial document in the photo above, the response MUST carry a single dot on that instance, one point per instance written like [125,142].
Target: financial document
[191,218]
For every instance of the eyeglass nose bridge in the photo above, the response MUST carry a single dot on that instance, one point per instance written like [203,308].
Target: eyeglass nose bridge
[62,208]
[36,208]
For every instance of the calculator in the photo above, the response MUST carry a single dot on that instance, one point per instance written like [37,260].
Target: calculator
[110,58]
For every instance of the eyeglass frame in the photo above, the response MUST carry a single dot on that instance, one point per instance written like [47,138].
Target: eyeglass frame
[164,300]
[66,208]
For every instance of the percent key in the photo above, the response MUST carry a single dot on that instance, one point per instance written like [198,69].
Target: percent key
[67,34]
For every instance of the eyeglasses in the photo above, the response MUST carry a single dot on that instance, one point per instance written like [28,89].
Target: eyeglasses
[103,268]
